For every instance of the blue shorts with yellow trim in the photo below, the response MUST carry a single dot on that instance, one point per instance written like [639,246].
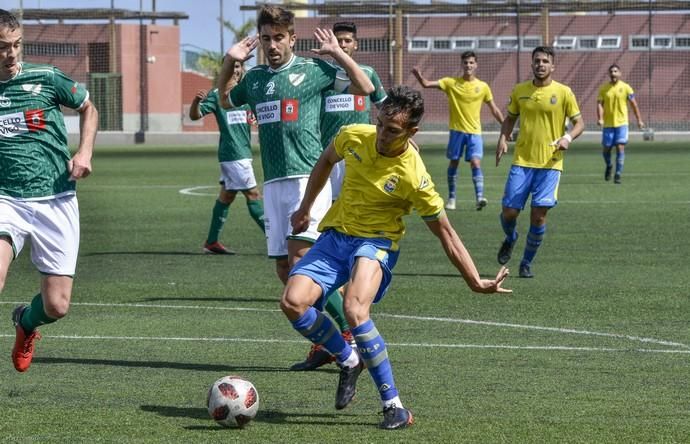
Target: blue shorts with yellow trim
[459,142]
[330,261]
[541,183]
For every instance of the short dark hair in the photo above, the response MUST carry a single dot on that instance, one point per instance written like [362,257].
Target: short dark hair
[276,16]
[614,65]
[403,99]
[345,27]
[467,55]
[548,50]
[8,20]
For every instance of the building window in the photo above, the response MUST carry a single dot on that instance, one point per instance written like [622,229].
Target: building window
[510,43]
[530,42]
[486,43]
[682,42]
[442,45]
[306,45]
[610,42]
[639,42]
[419,44]
[49,49]
[565,42]
[373,45]
[662,42]
[464,44]
[587,42]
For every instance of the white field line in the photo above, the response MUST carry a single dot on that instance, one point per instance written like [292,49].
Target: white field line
[392,344]
[394,316]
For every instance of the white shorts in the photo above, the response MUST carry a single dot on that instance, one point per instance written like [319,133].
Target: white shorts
[237,175]
[337,176]
[281,199]
[52,226]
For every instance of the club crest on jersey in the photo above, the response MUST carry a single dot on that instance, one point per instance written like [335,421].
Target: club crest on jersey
[391,184]
[553,99]
[5,102]
[296,79]
[33,89]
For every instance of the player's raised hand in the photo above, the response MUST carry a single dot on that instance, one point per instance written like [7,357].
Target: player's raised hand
[79,166]
[200,95]
[242,50]
[329,44]
[494,285]
[300,221]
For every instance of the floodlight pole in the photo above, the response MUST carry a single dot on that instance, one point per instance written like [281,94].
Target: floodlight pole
[222,44]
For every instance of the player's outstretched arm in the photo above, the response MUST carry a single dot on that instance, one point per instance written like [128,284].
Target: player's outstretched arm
[240,51]
[361,83]
[423,80]
[460,257]
[506,131]
[317,180]
[79,166]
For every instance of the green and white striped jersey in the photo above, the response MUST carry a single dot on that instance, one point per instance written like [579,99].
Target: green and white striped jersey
[287,105]
[235,138]
[33,138]
[341,109]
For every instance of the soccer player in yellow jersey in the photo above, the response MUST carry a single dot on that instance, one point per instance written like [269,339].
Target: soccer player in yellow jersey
[542,104]
[384,180]
[465,97]
[612,115]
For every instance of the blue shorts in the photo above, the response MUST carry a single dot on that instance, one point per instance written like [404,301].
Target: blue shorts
[329,262]
[611,137]
[542,183]
[458,141]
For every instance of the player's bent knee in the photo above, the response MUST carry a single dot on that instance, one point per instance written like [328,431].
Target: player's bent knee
[58,307]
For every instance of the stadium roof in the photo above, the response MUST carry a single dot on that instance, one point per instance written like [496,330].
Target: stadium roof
[508,7]
[97,14]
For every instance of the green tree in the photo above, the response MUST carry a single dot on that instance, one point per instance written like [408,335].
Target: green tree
[210,62]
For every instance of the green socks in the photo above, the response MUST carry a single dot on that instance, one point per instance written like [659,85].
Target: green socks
[218,218]
[256,211]
[334,307]
[35,315]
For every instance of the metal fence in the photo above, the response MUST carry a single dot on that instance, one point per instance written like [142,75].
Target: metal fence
[143,77]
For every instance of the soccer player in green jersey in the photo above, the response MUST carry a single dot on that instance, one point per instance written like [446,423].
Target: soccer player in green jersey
[37,181]
[235,157]
[542,105]
[340,109]
[385,179]
[465,97]
[285,96]
[612,115]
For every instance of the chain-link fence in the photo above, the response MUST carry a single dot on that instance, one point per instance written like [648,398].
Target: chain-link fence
[143,77]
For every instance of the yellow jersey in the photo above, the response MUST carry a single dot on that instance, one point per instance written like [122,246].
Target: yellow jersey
[542,111]
[614,98]
[378,190]
[465,98]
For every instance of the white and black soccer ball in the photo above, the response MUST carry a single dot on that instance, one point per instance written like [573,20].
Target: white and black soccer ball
[232,401]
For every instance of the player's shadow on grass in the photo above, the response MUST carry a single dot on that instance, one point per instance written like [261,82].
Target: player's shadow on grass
[167,253]
[267,416]
[217,368]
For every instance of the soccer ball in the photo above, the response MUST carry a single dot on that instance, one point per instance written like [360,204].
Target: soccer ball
[232,401]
